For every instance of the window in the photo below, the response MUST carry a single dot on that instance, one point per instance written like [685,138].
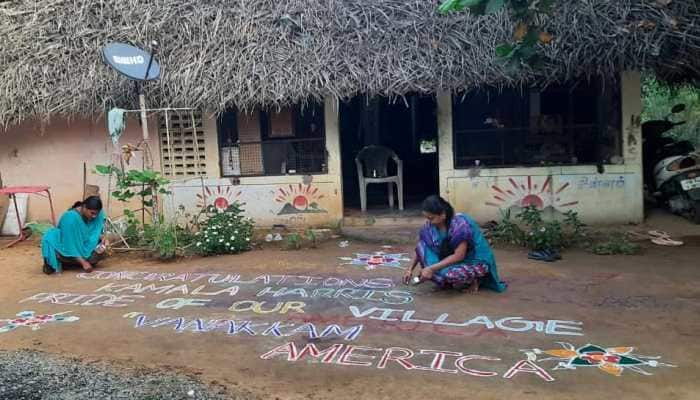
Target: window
[290,140]
[556,126]
[182,144]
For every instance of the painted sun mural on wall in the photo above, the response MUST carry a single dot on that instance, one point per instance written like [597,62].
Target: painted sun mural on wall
[298,199]
[528,192]
[376,259]
[31,320]
[611,360]
[220,197]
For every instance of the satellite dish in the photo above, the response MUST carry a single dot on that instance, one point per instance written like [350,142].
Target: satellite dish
[131,61]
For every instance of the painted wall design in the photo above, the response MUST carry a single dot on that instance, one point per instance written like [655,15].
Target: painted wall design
[292,204]
[611,360]
[219,196]
[531,191]
[371,261]
[298,199]
[597,198]
[31,320]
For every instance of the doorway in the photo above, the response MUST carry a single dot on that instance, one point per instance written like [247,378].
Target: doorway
[408,126]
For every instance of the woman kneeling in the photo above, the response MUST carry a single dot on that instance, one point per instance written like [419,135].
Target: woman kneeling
[452,251]
[77,240]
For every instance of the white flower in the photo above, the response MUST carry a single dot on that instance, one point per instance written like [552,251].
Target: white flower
[233,238]
[543,229]
[197,234]
[221,240]
[247,239]
[228,244]
[236,231]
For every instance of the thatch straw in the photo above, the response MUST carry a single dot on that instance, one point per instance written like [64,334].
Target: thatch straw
[248,52]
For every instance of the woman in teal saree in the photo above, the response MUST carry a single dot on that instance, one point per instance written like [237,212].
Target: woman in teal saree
[77,240]
[452,251]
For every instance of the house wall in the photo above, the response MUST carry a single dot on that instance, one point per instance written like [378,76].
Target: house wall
[615,196]
[30,156]
[54,156]
[291,200]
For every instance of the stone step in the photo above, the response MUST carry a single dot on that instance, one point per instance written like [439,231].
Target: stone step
[369,220]
[383,235]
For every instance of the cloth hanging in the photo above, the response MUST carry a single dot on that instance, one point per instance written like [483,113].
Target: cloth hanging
[116,123]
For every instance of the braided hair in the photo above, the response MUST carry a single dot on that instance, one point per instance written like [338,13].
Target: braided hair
[437,205]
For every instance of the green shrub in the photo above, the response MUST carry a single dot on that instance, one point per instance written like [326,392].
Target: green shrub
[311,236]
[162,238]
[614,244]
[293,241]
[224,231]
[532,231]
[508,231]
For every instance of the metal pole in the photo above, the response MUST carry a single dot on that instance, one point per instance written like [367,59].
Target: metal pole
[142,96]
[144,119]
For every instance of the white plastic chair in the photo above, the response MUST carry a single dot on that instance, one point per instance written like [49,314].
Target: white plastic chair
[372,167]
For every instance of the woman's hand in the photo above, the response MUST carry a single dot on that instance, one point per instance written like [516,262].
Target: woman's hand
[407,276]
[426,274]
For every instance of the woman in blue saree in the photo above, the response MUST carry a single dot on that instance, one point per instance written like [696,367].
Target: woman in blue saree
[452,251]
[77,240]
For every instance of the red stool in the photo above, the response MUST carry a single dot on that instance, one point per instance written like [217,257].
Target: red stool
[12,191]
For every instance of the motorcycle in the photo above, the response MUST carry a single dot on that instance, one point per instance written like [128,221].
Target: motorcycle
[671,167]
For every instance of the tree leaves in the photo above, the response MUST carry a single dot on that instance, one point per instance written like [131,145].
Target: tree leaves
[528,34]
[505,50]
[494,6]
[103,169]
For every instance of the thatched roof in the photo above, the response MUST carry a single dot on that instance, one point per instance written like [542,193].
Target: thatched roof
[245,52]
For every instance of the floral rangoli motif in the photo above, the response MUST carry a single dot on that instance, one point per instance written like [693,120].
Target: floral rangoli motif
[612,360]
[376,259]
[30,319]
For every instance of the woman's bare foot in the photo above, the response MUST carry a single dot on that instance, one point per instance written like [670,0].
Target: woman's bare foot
[474,287]
[87,267]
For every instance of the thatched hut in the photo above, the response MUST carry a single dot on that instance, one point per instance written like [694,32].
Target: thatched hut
[280,87]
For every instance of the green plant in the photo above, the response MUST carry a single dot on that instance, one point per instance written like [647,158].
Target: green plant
[658,100]
[577,229]
[224,231]
[162,239]
[132,233]
[165,239]
[293,241]
[311,236]
[508,231]
[146,184]
[615,243]
[531,230]
[545,236]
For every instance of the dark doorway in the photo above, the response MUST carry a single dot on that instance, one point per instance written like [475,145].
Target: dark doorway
[406,125]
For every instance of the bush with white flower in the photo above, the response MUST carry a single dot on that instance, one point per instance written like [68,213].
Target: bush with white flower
[225,231]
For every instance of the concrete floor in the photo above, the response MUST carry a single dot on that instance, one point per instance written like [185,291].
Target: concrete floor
[640,313]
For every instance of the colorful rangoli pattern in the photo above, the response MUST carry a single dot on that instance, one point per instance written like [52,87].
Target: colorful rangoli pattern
[377,259]
[30,319]
[612,360]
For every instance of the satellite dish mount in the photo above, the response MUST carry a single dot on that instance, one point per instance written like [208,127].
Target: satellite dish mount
[137,65]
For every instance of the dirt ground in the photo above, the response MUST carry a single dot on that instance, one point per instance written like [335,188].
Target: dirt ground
[639,313]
